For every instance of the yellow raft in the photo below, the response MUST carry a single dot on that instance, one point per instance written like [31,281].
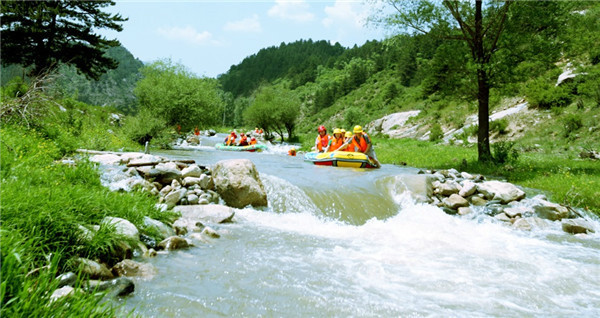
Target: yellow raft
[340,159]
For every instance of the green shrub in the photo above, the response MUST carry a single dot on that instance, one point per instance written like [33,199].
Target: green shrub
[499,126]
[145,127]
[571,123]
[353,117]
[541,94]
[504,152]
[436,133]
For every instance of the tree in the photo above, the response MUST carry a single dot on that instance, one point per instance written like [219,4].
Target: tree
[274,109]
[469,21]
[43,34]
[171,92]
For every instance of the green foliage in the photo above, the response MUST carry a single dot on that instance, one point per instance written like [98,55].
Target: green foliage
[499,126]
[173,94]
[352,117]
[23,294]
[572,123]
[504,152]
[44,34]
[14,88]
[145,127]
[540,93]
[436,133]
[274,109]
[298,61]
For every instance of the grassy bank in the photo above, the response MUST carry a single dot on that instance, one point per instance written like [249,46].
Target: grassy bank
[564,179]
[46,201]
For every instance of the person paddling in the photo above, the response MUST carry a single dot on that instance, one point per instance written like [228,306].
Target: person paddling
[361,142]
[337,140]
[323,140]
[231,139]
[243,140]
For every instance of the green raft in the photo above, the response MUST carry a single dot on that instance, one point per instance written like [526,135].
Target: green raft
[249,148]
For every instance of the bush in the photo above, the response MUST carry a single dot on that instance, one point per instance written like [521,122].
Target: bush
[436,133]
[571,123]
[542,94]
[499,126]
[144,127]
[504,152]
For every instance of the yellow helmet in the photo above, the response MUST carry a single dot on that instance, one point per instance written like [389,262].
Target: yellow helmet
[337,131]
[343,131]
[348,134]
[357,129]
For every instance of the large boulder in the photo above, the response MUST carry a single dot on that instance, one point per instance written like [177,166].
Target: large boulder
[106,159]
[191,171]
[132,268]
[122,227]
[577,226]
[498,190]
[159,227]
[237,182]
[206,214]
[550,211]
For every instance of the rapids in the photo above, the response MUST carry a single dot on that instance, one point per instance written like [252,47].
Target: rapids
[343,242]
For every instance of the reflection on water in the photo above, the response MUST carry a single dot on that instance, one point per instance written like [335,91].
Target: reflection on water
[332,243]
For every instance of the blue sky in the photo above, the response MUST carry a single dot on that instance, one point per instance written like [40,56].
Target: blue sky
[210,36]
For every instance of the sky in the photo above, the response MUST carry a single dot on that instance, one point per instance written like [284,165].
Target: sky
[208,37]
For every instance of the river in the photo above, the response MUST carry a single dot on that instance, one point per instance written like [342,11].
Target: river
[343,242]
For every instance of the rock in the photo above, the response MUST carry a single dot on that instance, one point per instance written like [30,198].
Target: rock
[159,227]
[468,188]
[577,226]
[92,269]
[190,181]
[206,182]
[175,184]
[210,232]
[448,188]
[478,201]
[466,175]
[550,211]
[166,173]
[237,182]
[206,214]
[164,191]
[455,201]
[193,140]
[191,171]
[503,191]
[528,223]
[192,199]
[514,212]
[502,217]
[122,227]
[173,243]
[66,279]
[173,197]
[106,159]
[120,286]
[142,184]
[132,268]
[62,292]
[465,210]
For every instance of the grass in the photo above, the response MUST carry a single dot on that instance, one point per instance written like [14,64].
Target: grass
[565,180]
[44,204]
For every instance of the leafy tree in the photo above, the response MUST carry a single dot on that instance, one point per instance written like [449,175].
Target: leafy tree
[174,94]
[478,25]
[274,109]
[43,34]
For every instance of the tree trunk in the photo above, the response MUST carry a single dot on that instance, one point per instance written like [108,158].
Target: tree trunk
[483,91]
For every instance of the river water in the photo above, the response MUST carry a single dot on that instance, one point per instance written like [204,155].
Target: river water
[343,242]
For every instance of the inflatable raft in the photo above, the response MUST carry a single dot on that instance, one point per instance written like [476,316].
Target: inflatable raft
[250,148]
[340,159]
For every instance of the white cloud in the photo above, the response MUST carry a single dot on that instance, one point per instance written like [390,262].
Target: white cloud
[344,14]
[188,34]
[246,25]
[296,10]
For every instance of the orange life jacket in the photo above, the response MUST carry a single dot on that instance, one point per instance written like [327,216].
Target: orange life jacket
[243,141]
[322,142]
[253,142]
[361,145]
[336,143]
[230,140]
